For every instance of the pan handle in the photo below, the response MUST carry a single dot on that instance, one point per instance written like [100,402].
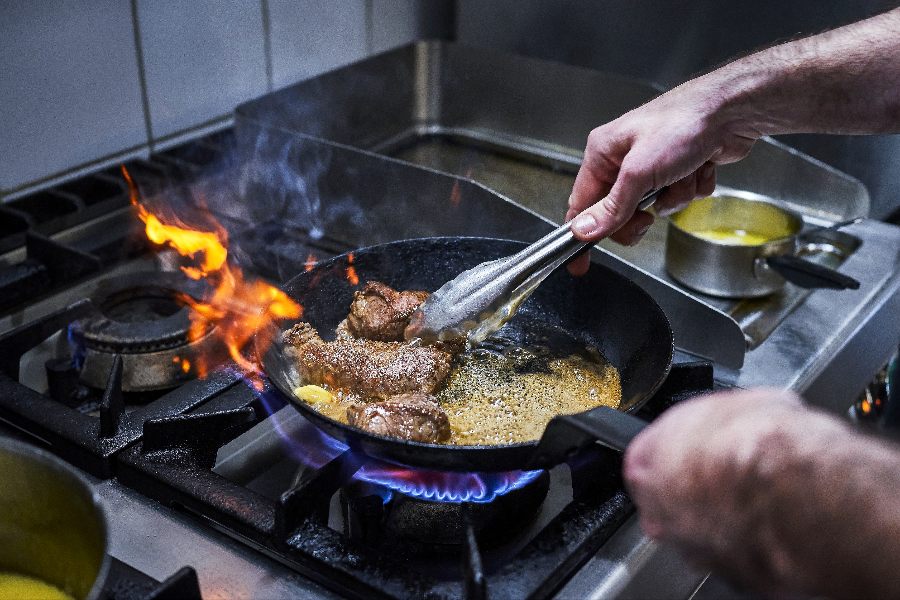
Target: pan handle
[566,435]
[808,274]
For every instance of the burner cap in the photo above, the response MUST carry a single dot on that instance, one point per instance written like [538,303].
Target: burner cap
[142,318]
[438,524]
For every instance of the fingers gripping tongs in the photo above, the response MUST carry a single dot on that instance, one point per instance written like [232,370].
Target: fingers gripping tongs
[479,301]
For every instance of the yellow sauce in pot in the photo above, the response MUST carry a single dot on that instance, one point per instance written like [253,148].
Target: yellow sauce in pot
[735,237]
[22,587]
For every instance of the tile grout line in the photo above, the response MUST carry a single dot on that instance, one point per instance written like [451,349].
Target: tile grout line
[370,18]
[267,42]
[113,159]
[142,75]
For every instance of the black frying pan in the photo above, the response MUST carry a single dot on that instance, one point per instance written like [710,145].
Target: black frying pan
[602,309]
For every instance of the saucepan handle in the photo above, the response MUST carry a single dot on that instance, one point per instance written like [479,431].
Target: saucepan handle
[566,435]
[808,274]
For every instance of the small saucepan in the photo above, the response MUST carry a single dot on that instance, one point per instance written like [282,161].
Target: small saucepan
[52,527]
[733,247]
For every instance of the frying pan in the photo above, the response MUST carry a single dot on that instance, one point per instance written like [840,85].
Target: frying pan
[601,309]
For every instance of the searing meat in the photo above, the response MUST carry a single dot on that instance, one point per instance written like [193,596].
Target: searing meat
[380,313]
[363,367]
[414,416]
[300,334]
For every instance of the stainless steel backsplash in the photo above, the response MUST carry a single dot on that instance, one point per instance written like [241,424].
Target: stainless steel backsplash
[666,42]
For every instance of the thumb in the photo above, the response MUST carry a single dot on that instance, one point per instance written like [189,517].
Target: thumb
[612,212]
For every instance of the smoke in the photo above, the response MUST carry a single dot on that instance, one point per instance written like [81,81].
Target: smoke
[279,183]
[265,189]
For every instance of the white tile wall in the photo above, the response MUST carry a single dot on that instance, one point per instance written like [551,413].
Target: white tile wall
[71,79]
[201,59]
[394,23]
[69,87]
[309,37]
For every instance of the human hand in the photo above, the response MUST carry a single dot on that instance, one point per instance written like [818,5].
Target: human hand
[770,493]
[675,140]
[678,138]
[692,472]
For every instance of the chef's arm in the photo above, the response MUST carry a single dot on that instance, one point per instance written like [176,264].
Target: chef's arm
[775,495]
[843,81]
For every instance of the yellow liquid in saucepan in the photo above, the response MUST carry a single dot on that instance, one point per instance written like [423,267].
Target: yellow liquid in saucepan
[736,237]
[22,587]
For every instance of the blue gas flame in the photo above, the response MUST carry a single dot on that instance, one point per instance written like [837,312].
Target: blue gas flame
[76,344]
[315,448]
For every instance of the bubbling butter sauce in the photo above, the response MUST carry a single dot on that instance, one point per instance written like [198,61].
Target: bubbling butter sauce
[22,587]
[509,397]
[506,389]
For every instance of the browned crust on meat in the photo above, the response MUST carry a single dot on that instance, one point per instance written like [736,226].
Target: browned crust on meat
[300,334]
[366,368]
[413,416]
[380,313]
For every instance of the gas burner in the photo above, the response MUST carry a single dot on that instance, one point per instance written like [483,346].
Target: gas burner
[143,318]
[436,524]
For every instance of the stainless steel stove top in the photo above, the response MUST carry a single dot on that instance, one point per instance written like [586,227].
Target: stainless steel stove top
[159,527]
[510,168]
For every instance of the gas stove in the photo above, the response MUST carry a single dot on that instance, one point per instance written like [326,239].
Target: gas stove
[209,475]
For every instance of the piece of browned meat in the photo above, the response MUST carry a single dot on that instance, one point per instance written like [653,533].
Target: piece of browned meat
[365,368]
[300,334]
[415,416]
[380,313]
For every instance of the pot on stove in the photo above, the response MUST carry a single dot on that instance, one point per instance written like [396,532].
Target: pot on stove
[52,527]
[734,247]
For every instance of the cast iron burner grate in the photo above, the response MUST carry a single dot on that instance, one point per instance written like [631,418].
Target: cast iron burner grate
[49,265]
[88,442]
[167,450]
[127,583]
[174,459]
[87,423]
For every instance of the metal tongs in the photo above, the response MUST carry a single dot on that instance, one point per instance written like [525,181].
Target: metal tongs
[479,301]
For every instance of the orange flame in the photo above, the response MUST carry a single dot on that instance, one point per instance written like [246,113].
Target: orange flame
[351,272]
[209,245]
[456,193]
[239,307]
[310,262]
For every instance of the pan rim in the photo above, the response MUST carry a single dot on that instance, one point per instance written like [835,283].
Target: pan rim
[447,448]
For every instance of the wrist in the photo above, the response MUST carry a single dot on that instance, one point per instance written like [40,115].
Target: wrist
[831,507]
[750,97]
